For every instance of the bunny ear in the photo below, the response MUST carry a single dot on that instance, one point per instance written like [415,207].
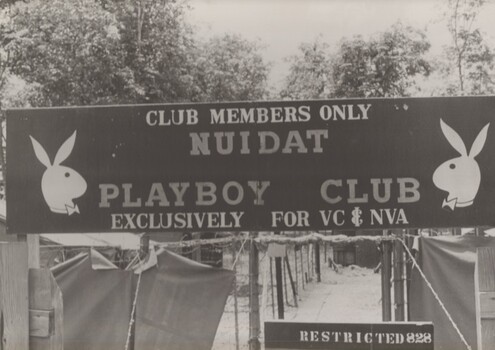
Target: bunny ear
[479,142]
[65,150]
[40,152]
[453,138]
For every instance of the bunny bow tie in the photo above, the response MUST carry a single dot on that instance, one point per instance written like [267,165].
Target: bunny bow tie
[449,204]
[69,210]
[72,210]
[453,203]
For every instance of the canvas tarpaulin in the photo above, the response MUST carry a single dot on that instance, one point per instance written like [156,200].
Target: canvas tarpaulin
[448,263]
[180,303]
[97,305]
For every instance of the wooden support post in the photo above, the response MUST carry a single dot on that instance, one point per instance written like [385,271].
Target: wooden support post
[284,277]
[302,266]
[145,245]
[295,267]
[254,303]
[236,303]
[45,311]
[294,293]
[325,246]
[398,257]
[316,248]
[308,261]
[409,268]
[485,298]
[14,321]
[271,287]
[280,288]
[386,274]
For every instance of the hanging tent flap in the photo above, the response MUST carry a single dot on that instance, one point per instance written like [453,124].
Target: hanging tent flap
[97,305]
[180,304]
[448,263]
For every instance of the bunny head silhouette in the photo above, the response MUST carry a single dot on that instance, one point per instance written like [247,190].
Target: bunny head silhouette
[460,176]
[60,184]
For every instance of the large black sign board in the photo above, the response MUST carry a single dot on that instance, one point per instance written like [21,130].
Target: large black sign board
[340,164]
[349,336]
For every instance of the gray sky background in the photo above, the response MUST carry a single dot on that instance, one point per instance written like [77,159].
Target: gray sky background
[281,25]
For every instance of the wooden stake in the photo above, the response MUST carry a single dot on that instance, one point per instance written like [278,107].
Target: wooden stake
[485,298]
[295,266]
[409,267]
[310,271]
[271,287]
[294,294]
[254,303]
[280,290]
[236,305]
[302,266]
[386,274]
[398,256]
[316,248]
[284,274]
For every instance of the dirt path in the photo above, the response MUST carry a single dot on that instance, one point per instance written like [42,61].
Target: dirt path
[353,295]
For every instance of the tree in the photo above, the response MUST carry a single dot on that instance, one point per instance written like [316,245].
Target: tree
[469,57]
[310,73]
[71,50]
[159,46]
[230,68]
[384,66]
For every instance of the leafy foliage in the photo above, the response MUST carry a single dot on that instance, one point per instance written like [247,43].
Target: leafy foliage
[310,73]
[159,48]
[230,68]
[72,50]
[469,57]
[384,66]
[80,52]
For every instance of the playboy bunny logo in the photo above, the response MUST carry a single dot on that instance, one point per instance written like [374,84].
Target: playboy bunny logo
[460,176]
[60,184]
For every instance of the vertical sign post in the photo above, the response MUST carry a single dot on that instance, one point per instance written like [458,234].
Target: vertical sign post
[254,305]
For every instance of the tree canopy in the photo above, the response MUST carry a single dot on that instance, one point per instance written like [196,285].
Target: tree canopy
[231,68]
[310,72]
[80,52]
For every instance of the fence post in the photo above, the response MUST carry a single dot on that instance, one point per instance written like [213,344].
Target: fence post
[280,287]
[254,303]
[409,267]
[316,247]
[386,274]
[271,287]
[485,298]
[295,267]
[236,305]
[398,264]
[14,321]
[291,280]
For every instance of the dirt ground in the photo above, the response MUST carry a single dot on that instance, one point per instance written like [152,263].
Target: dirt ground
[351,295]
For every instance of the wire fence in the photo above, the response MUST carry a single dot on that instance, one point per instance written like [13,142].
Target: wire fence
[299,270]
[302,258]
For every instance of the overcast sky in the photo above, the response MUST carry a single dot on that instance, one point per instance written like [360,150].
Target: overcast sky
[283,24]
